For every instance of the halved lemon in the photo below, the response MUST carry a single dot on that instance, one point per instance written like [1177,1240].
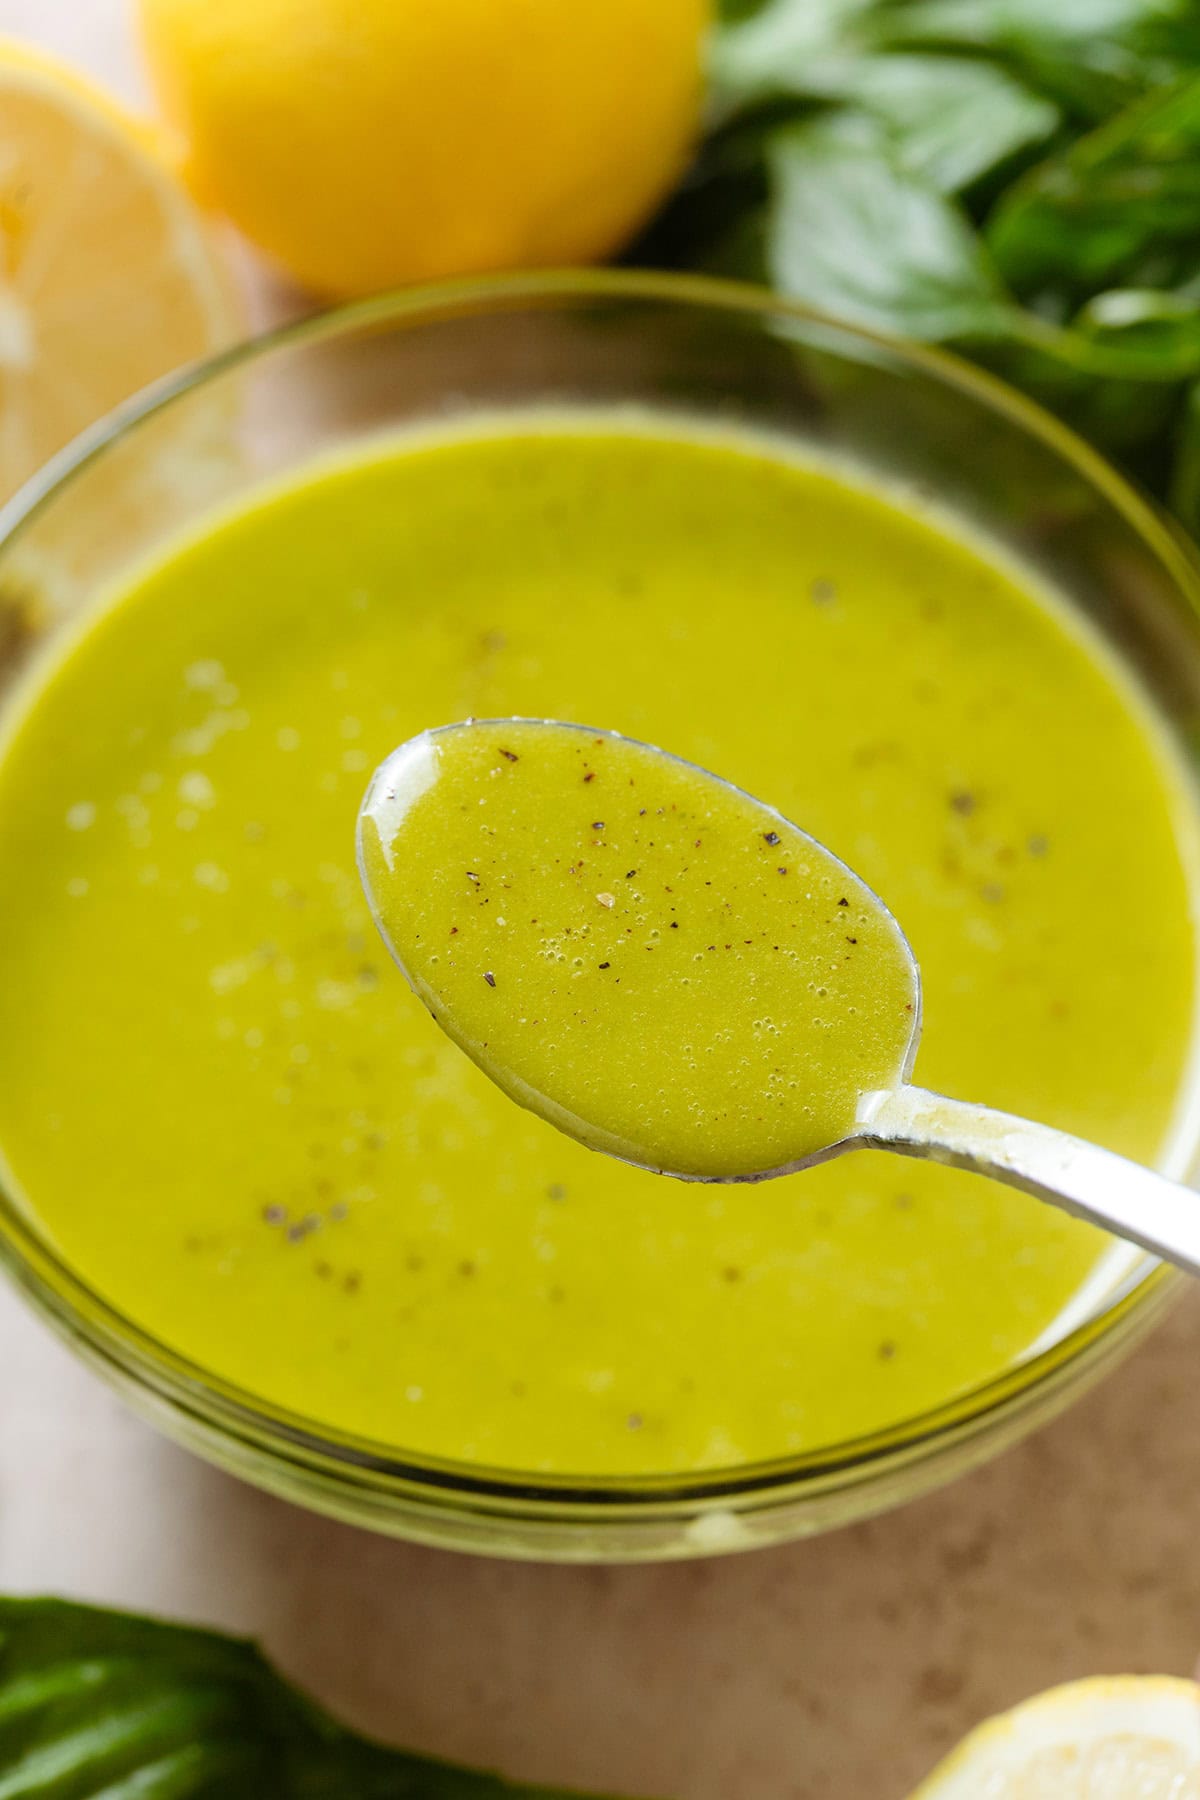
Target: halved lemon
[1124,1737]
[107,274]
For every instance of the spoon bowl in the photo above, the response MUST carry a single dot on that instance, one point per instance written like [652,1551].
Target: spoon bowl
[569,902]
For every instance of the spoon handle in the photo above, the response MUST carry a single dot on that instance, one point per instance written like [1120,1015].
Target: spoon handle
[1093,1184]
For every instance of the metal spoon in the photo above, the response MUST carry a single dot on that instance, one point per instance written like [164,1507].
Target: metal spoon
[1084,1180]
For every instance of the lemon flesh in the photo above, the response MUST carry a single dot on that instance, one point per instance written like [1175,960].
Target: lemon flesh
[107,276]
[1126,1737]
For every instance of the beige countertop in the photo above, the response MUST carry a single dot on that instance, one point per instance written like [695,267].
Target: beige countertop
[843,1666]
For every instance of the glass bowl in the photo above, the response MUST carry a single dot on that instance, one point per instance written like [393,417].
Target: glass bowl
[700,348]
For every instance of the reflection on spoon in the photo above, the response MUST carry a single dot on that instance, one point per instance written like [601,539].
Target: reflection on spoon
[670,971]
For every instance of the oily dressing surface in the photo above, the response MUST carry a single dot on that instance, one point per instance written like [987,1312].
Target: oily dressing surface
[235,1122]
[716,1009]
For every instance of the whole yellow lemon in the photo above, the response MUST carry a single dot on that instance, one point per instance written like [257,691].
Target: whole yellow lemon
[365,143]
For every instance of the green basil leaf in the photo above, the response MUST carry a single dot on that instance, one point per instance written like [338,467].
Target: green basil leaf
[769,53]
[98,1705]
[1119,207]
[951,119]
[1091,55]
[1155,335]
[852,233]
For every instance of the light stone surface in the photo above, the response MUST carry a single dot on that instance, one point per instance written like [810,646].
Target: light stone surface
[840,1667]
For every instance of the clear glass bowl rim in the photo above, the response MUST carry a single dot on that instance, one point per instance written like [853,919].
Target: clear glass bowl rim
[144,1366]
